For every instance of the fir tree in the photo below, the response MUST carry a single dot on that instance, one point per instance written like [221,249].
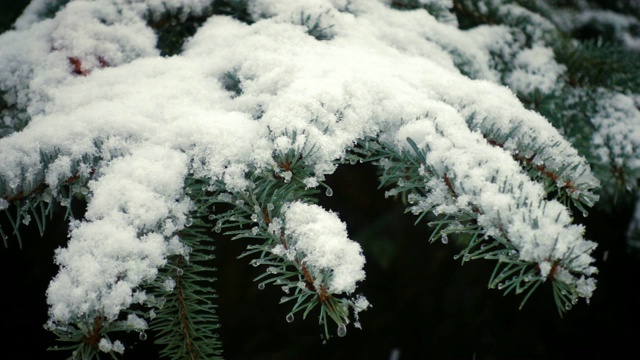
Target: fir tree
[181,123]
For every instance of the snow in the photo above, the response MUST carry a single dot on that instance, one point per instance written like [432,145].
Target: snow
[617,138]
[320,240]
[477,170]
[146,122]
[536,70]
[623,27]
[106,345]
[106,259]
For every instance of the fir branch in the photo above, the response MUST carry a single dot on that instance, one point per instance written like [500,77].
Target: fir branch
[572,182]
[436,8]
[520,19]
[314,27]
[89,336]
[493,242]
[174,27]
[502,183]
[595,63]
[41,210]
[186,324]
[258,213]
[39,201]
[237,9]
[12,117]
[232,83]
[86,337]
[471,14]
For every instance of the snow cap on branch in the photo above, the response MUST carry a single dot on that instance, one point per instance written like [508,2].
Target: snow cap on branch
[319,239]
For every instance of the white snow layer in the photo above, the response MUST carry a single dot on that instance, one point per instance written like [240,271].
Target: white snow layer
[319,239]
[617,138]
[535,70]
[94,85]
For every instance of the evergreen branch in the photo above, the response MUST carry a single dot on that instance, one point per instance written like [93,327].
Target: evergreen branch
[490,242]
[262,205]
[38,207]
[85,337]
[232,83]
[90,335]
[37,197]
[38,187]
[593,116]
[572,182]
[595,63]
[518,18]
[237,9]
[438,9]
[592,66]
[186,324]
[314,28]
[39,202]
[503,184]
[13,117]
[173,27]
[471,13]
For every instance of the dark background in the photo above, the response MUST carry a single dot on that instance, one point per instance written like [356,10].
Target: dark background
[425,304]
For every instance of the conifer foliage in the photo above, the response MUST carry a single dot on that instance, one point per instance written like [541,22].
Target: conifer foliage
[497,123]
